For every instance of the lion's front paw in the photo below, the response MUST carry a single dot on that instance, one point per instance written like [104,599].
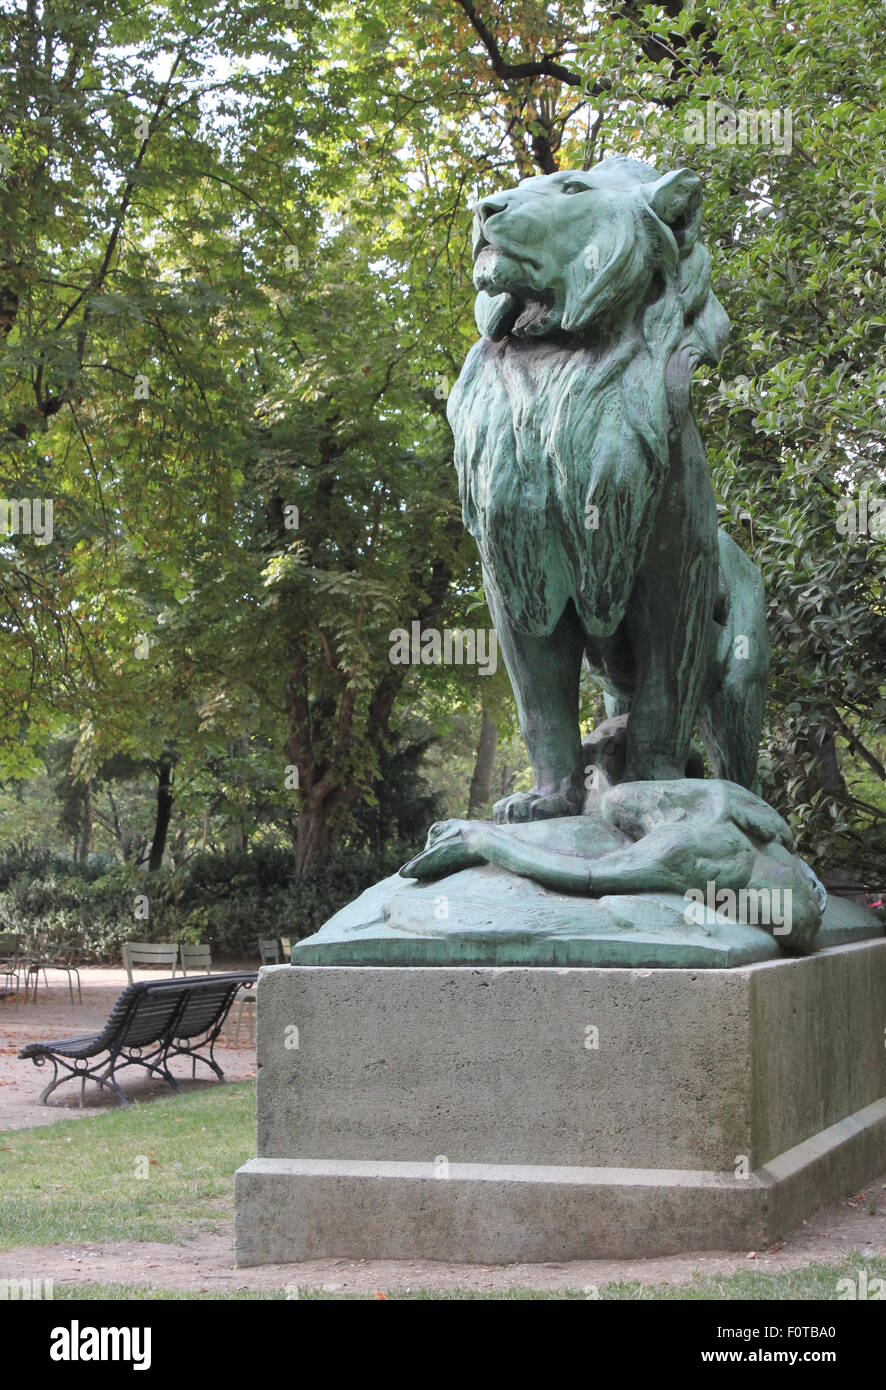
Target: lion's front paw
[534,805]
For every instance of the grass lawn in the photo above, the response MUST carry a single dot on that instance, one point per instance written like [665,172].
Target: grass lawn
[78,1182]
[817,1281]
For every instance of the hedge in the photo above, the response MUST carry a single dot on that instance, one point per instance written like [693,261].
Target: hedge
[226,900]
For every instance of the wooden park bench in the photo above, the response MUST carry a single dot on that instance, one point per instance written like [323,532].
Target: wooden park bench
[150,1023]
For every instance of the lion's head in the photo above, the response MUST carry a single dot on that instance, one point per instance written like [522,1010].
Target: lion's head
[595,307]
[583,253]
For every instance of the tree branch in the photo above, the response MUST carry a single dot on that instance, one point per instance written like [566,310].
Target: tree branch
[50,405]
[546,66]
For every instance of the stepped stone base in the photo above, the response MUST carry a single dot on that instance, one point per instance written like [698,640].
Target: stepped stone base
[510,1114]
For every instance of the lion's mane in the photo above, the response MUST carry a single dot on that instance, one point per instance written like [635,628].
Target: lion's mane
[562,441]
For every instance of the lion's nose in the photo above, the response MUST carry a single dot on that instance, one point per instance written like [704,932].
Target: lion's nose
[488,207]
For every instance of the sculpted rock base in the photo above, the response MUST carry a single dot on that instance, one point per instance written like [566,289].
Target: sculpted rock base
[496,919]
[681,873]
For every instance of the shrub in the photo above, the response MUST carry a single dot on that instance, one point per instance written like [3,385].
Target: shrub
[226,900]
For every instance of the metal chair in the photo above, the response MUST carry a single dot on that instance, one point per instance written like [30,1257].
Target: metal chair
[153,955]
[12,963]
[246,1000]
[270,948]
[54,955]
[195,958]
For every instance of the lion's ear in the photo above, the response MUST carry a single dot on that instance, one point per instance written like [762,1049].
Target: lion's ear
[676,199]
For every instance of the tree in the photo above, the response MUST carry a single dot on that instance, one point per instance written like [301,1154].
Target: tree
[234,291]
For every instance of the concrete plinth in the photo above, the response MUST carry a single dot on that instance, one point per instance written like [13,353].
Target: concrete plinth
[504,1114]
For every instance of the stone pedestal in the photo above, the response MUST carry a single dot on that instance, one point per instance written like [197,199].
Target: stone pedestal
[525,1114]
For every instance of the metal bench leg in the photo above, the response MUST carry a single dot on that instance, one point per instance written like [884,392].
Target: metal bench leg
[118,1091]
[56,1081]
[195,1056]
[170,1078]
[108,1080]
[153,1068]
[210,1060]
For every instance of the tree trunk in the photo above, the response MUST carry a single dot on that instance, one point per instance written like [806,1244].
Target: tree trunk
[323,714]
[164,814]
[832,780]
[312,834]
[85,842]
[481,783]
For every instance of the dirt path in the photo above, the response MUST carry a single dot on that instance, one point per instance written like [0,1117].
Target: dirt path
[204,1262]
[54,1016]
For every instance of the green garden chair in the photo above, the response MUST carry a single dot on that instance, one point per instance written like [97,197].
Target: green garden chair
[12,964]
[151,955]
[197,959]
[63,956]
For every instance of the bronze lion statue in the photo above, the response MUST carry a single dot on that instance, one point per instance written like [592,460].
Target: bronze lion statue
[584,482]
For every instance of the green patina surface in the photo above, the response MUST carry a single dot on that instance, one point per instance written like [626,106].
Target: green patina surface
[689,873]
[584,483]
[393,924]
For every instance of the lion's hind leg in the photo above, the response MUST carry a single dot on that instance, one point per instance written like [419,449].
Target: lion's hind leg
[730,717]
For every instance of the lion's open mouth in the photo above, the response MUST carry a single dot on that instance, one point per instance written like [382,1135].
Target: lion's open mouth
[496,314]
[514,306]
